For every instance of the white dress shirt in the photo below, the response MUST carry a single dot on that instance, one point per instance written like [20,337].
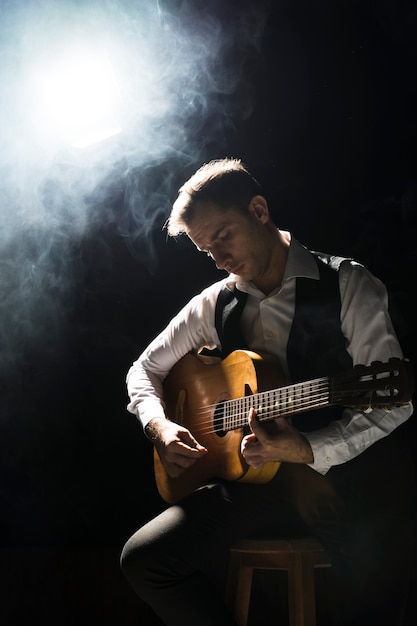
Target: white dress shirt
[266,325]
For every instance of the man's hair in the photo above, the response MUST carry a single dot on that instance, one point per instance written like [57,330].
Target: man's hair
[224,182]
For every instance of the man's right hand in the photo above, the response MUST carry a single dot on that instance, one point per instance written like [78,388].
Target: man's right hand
[176,446]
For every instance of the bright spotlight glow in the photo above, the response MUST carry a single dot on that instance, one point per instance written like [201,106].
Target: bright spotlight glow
[78,98]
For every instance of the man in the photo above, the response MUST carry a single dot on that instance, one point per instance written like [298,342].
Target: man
[345,473]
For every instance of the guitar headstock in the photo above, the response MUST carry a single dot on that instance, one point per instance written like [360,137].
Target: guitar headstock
[380,384]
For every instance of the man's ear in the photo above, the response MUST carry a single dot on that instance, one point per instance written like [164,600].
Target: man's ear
[258,206]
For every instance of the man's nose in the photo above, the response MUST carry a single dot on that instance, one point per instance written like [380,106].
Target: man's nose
[220,257]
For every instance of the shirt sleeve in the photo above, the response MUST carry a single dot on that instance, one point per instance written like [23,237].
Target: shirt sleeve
[367,325]
[189,331]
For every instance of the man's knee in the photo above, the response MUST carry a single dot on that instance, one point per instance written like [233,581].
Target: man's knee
[131,562]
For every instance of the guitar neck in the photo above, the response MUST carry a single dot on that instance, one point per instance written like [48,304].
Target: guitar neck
[281,402]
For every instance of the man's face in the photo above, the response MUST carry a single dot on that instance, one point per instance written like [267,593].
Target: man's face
[238,242]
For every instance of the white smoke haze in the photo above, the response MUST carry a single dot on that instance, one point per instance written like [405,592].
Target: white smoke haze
[181,69]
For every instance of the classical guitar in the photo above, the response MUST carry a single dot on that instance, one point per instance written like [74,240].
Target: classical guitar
[212,398]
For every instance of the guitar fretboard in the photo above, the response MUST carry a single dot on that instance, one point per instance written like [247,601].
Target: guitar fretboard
[281,402]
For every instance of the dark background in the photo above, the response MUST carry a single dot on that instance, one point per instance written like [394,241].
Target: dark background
[330,132]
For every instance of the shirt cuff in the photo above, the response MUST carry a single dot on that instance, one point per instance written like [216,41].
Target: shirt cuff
[325,452]
[148,410]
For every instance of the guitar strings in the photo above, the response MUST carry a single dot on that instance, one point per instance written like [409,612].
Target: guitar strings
[278,404]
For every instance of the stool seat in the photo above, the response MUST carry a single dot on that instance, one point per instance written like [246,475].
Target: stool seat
[299,557]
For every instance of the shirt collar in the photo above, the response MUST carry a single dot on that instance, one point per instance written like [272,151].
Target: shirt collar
[300,262]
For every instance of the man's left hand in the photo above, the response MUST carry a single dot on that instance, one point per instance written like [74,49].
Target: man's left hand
[277,440]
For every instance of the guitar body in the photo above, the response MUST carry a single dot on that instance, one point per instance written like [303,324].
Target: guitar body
[194,388]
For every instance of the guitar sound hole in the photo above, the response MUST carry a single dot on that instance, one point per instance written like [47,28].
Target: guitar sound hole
[218,420]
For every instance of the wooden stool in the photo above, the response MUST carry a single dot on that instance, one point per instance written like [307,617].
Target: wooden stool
[298,557]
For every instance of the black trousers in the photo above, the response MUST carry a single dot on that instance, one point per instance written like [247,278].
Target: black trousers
[362,511]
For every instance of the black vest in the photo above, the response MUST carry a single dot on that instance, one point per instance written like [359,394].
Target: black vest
[316,345]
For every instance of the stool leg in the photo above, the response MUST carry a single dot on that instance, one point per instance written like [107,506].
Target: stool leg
[301,591]
[239,589]
[243,594]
